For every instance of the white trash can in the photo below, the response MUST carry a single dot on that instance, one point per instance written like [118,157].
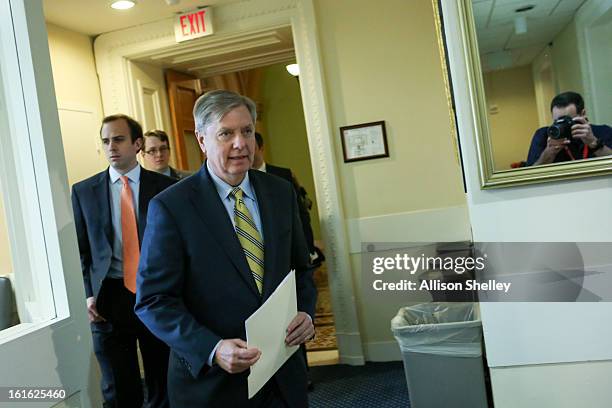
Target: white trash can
[441,346]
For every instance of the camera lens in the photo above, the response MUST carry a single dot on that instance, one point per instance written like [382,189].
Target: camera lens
[554,132]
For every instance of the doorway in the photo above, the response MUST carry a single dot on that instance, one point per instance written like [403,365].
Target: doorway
[281,124]
[183,90]
[257,33]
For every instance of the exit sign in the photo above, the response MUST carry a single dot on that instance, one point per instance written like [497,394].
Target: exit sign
[194,24]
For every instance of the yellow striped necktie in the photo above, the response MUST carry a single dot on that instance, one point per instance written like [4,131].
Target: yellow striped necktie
[249,237]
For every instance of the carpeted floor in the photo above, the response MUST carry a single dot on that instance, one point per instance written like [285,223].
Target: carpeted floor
[375,385]
[324,317]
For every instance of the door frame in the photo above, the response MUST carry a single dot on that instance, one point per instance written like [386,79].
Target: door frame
[173,78]
[542,64]
[115,50]
[594,75]
[52,346]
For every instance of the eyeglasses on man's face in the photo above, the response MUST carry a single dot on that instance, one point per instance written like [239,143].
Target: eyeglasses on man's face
[155,150]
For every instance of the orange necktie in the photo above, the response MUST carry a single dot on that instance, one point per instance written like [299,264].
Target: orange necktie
[129,231]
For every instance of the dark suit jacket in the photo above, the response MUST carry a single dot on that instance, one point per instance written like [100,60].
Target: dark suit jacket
[92,216]
[282,172]
[195,287]
[286,174]
[179,174]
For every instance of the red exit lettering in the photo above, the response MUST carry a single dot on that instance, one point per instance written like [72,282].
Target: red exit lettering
[183,25]
[196,23]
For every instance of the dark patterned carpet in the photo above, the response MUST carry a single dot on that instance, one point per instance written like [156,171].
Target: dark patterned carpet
[324,317]
[375,385]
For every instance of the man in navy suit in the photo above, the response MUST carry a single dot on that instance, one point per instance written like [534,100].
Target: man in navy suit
[217,245]
[110,211]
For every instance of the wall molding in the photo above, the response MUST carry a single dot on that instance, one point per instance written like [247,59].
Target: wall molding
[114,51]
[447,224]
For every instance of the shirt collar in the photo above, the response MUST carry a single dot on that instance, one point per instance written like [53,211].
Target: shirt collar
[262,167]
[167,172]
[225,189]
[133,175]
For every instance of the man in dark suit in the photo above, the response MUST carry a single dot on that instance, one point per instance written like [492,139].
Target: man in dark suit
[217,245]
[304,203]
[110,211]
[156,154]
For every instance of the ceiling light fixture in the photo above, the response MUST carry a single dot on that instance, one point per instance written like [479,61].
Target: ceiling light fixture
[293,69]
[520,21]
[520,24]
[123,4]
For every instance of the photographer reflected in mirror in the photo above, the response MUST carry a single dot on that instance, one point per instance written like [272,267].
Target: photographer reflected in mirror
[570,136]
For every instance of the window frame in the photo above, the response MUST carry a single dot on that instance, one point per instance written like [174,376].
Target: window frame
[33,178]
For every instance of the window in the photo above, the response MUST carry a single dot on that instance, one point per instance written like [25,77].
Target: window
[29,247]
[51,345]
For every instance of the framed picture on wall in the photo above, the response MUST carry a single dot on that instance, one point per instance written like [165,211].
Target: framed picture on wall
[364,142]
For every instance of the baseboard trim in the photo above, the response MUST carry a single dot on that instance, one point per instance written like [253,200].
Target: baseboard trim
[382,351]
[349,347]
[352,360]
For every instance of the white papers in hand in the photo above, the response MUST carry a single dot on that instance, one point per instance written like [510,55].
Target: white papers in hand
[266,330]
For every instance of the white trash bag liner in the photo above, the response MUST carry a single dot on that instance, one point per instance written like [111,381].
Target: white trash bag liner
[445,329]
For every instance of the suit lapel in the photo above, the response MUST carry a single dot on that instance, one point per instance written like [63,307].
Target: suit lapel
[212,212]
[102,198]
[265,198]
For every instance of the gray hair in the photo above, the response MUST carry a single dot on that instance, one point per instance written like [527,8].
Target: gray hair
[213,105]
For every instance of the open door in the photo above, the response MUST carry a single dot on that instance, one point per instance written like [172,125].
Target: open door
[544,85]
[47,357]
[183,90]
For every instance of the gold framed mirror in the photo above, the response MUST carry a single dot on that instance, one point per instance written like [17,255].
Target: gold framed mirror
[540,82]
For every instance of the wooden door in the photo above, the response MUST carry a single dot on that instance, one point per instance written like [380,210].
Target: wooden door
[183,90]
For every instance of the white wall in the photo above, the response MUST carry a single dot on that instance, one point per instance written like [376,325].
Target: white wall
[594,31]
[553,386]
[415,195]
[78,101]
[566,60]
[520,336]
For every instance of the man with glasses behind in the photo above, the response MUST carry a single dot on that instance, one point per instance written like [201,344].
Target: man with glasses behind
[156,154]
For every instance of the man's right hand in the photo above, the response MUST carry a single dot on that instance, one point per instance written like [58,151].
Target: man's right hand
[553,147]
[234,356]
[92,312]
